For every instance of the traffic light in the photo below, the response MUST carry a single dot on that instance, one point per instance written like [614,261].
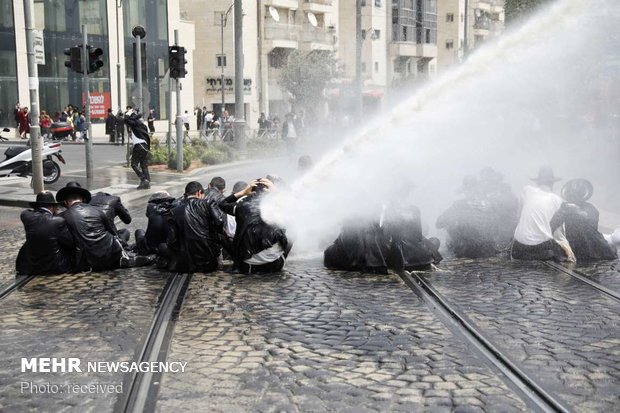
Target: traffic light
[94,61]
[176,60]
[75,59]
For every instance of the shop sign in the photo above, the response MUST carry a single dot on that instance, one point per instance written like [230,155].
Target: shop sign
[214,85]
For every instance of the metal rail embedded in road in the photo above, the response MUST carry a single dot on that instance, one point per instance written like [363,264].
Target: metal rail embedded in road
[143,387]
[19,282]
[535,394]
[582,277]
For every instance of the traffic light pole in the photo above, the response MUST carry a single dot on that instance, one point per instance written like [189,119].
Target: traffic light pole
[239,104]
[179,118]
[88,143]
[33,86]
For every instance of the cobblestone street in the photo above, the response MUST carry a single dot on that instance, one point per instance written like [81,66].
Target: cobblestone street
[313,340]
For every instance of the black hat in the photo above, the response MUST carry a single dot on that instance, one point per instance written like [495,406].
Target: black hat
[159,197]
[577,190]
[44,198]
[73,188]
[546,176]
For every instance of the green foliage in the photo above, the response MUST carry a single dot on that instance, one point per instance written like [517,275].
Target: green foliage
[218,152]
[188,157]
[306,75]
[159,155]
[516,9]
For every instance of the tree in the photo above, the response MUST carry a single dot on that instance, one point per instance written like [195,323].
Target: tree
[516,9]
[306,75]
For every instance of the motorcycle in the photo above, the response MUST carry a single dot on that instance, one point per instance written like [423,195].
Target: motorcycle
[18,160]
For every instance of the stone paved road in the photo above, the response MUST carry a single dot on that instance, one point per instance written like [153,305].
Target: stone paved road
[606,273]
[95,317]
[313,340]
[563,332]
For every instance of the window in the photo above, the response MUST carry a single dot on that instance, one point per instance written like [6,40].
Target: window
[450,17]
[449,44]
[221,60]
[363,2]
[377,34]
[377,3]
[376,67]
[363,34]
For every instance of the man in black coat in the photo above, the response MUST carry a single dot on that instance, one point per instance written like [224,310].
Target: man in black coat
[157,211]
[98,246]
[141,147]
[258,247]
[112,207]
[194,232]
[49,247]
[110,125]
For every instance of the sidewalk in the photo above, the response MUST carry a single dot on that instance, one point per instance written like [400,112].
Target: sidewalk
[12,140]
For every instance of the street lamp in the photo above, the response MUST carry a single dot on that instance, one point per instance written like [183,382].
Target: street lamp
[223,20]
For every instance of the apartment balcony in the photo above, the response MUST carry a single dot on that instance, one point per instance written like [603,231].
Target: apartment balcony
[484,5]
[285,4]
[281,35]
[317,38]
[318,6]
[410,49]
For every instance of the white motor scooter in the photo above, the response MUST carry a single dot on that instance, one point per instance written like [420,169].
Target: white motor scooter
[18,161]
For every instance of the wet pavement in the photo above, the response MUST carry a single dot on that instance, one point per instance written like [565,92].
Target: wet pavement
[563,332]
[309,339]
[314,340]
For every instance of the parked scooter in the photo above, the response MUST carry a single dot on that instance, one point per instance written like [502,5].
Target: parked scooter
[18,160]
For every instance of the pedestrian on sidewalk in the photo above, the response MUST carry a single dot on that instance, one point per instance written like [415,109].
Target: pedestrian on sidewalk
[24,124]
[110,125]
[141,146]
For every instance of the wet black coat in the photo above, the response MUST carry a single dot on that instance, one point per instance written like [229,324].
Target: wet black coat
[49,246]
[111,206]
[194,235]
[408,248]
[252,235]
[139,129]
[581,224]
[158,212]
[472,227]
[94,236]
[361,246]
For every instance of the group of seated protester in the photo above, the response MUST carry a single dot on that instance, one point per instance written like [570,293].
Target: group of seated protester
[75,231]
[392,239]
[540,225]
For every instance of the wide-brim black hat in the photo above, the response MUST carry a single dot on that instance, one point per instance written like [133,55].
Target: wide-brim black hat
[44,199]
[577,190]
[160,197]
[73,188]
[546,176]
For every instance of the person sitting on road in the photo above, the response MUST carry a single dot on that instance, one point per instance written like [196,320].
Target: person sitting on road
[141,147]
[230,226]
[535,238]
[503,203]
[581,222]
[470,223]
[98,246]
[158,208]
[49,246]
[258,247]
[195,229]
[409,249]
[112,207]
[360,246]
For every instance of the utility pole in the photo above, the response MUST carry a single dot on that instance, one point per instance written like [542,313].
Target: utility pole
[119,4]
[239,106]
[88,144]
[358,59]
[179,118]
[169,138]
[33,86]
[466,30]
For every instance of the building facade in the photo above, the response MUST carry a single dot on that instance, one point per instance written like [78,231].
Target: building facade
[464,25]
[272,29]
[109,25]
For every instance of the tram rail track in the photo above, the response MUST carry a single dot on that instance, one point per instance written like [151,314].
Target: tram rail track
[584,278]
[19,282]
[533,393]
[142,387]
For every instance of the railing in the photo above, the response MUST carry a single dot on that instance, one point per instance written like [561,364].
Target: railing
[279,31]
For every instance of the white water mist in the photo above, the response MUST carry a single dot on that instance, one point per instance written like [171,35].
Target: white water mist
[518,103]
